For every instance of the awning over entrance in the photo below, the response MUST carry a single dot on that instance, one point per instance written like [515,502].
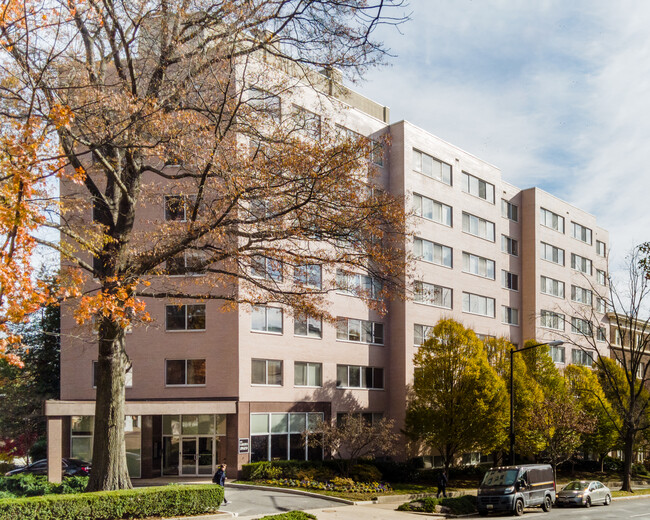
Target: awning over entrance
[62,408]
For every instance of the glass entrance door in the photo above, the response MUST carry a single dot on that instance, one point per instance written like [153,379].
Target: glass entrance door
[188,456]
[197,455]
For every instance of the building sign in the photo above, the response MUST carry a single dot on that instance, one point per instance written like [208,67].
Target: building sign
[243,446]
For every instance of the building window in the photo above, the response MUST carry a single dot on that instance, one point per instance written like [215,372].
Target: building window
[421,333]
[370,418]
[352,376]
[580,263]
[185,317]
[478,187]
[601,304]
[552,253]
[187,263]
[264,103]
[259,209]
[552,287]
[307,374]
[476,304]
[431,294]
[601,277]
[478,265]
[557,354]
[307,123]
[580,295]
[177,207]
[552,320]
[308,326]
[432,210]
[128,376]
[580,357]
[580,326]
[266,268]
[432,252]
[509,315]
[279,436]
[266,372]
[309,275]
[509,210]
[551,220]
[478,227]
[509,245]
[376,152]
[266,319]
[581,233]
[184,372]
[431,167]
[509,280]
[362,331]
[601,334]
[601,248]
[360,285]
[485,337]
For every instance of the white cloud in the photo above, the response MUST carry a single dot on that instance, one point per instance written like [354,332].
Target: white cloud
[553,93]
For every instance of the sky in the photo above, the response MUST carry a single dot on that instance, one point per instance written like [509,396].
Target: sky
[554,93]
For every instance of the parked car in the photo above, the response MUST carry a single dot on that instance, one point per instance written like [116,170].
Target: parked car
[584,493]
[71,468]
[513,488]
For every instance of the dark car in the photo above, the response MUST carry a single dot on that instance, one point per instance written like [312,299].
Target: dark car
[70,467]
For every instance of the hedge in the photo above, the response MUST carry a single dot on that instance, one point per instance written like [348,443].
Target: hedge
[164,501]
[291,515]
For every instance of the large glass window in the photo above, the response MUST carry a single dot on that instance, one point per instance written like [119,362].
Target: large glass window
[184,372]
[186,264]
[580,326]
[432,210]
[509,280]
[478,187]
[307,374]
[551,220]
[308,276]
[478,265]
[308,326]
[363,331]
[432,294]
[557,354]
[266,268]
[266,372]
[421,333]
[432,252]
[509,210]
[477,304]
[601,248]
[361,285]
[581,233]
[552,320]
[354,376]
[581,295]
[478,227]
[580,263]
[552,287]
[185,317]
[509,245]
[431,167]
[279,436]
[266,319]
[552,253]
[580,357]
[509,315]
[601,277]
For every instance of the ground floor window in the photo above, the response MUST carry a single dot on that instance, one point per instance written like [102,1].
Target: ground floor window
[191,444]
[81,440]
[278,436]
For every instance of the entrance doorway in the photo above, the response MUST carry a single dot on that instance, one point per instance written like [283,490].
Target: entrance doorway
[197,455]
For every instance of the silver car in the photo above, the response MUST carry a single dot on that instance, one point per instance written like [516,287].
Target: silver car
[584,493]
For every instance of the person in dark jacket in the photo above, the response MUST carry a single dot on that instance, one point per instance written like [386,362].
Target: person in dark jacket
[220,478]
[442,484]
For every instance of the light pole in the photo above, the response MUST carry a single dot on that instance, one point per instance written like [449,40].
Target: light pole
[512,393]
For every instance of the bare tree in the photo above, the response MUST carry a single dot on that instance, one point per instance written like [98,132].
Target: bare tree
[182,98]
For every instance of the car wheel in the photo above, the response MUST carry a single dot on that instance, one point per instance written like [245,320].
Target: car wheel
[519,507]
[547,504]
[482,512]
[608,499]
[588,502]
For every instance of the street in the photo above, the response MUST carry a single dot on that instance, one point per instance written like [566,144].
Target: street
[629,508]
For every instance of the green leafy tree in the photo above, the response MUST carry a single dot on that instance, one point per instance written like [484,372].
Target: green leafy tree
[458,403]
[583,384]
[528,394]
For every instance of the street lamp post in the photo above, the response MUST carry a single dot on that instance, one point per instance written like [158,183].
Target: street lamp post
[512,393]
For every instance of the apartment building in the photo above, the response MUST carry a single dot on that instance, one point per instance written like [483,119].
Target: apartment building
[242,385]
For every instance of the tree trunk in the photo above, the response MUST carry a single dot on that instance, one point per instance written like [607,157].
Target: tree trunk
[109,469]
[602,463]
[628,453]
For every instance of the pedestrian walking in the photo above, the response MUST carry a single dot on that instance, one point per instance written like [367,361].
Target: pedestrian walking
[220,478]
[442,484]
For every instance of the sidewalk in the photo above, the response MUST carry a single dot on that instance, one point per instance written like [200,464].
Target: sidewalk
[361,512]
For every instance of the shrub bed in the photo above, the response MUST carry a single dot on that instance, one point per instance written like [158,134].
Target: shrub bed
[346,485]
[364,471]
[463,505]
[291,515]
[164,501]
[35,485]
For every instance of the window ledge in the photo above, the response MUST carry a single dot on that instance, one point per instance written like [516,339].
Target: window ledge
[185,330]
[266,332]
[360,342]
